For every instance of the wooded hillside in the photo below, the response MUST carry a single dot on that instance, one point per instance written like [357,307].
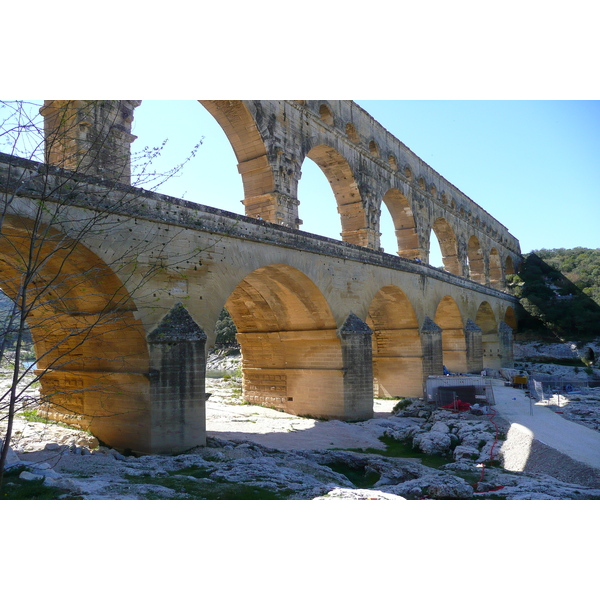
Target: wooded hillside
[563,302]
[580,265]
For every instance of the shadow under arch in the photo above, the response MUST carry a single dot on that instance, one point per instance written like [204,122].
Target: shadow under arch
[404,223]
[291,353]
[454,346]
[486,321]
[510,318]
[475,258]
[495,269]
[92,358]
[350,207]
[448,245]
[509,266]
[397,349]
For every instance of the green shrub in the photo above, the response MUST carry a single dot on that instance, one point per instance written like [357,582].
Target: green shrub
[403,404]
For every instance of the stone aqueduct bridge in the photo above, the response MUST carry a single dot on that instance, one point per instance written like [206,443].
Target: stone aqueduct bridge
[322,323]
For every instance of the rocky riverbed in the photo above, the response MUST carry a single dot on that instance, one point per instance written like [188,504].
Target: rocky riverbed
[258,453]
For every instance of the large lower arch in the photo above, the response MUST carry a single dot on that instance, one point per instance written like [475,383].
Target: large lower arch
[454,347]
[92,356]
[397,350]
[292,355]
[355,229]
[404,224]
[486,321]
[448,245]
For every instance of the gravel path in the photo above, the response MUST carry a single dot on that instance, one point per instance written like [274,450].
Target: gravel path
[541,441]
[576,441]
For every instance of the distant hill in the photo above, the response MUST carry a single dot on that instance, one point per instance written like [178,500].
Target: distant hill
[559,292]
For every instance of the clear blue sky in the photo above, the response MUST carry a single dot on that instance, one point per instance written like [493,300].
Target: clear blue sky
[533,165]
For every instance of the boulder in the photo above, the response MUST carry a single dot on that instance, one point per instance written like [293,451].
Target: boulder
[440,427]
[27,476]
[432,442]
[11,458]
[463,452]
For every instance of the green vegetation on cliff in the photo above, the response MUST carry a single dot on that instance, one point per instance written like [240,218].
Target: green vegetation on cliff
[560,303]
[579,265]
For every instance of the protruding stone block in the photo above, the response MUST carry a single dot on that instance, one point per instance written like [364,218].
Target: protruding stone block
[505,334]
[473,339]
[357,356]
[431,338]
[177,383]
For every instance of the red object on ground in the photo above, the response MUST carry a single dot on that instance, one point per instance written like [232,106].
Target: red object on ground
[457,405]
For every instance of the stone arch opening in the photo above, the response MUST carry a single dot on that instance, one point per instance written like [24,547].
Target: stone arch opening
[448,245]
[91,352]
[253,165]
[486,321]
[350,207]
[317,203]
[397,350]
[291,353]
[405,230]
[495,269]
[374,148]
[475,260]
[183,124]
[509,266]
[454,347]
[326,114]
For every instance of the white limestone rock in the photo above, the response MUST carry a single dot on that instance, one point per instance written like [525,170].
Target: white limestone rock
[11,458]
[403,432]
[465,452]
[433,485]
[440,427]
[432,442]
[28,476]
[350,494]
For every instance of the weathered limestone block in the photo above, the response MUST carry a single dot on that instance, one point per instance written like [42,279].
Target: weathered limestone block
[299,372]
[90,136]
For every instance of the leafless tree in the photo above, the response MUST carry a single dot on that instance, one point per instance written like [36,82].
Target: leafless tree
[46,215]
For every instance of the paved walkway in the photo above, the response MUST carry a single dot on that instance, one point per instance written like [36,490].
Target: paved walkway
[576,441]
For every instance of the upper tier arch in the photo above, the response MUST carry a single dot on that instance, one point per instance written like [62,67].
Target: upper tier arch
[272,138]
